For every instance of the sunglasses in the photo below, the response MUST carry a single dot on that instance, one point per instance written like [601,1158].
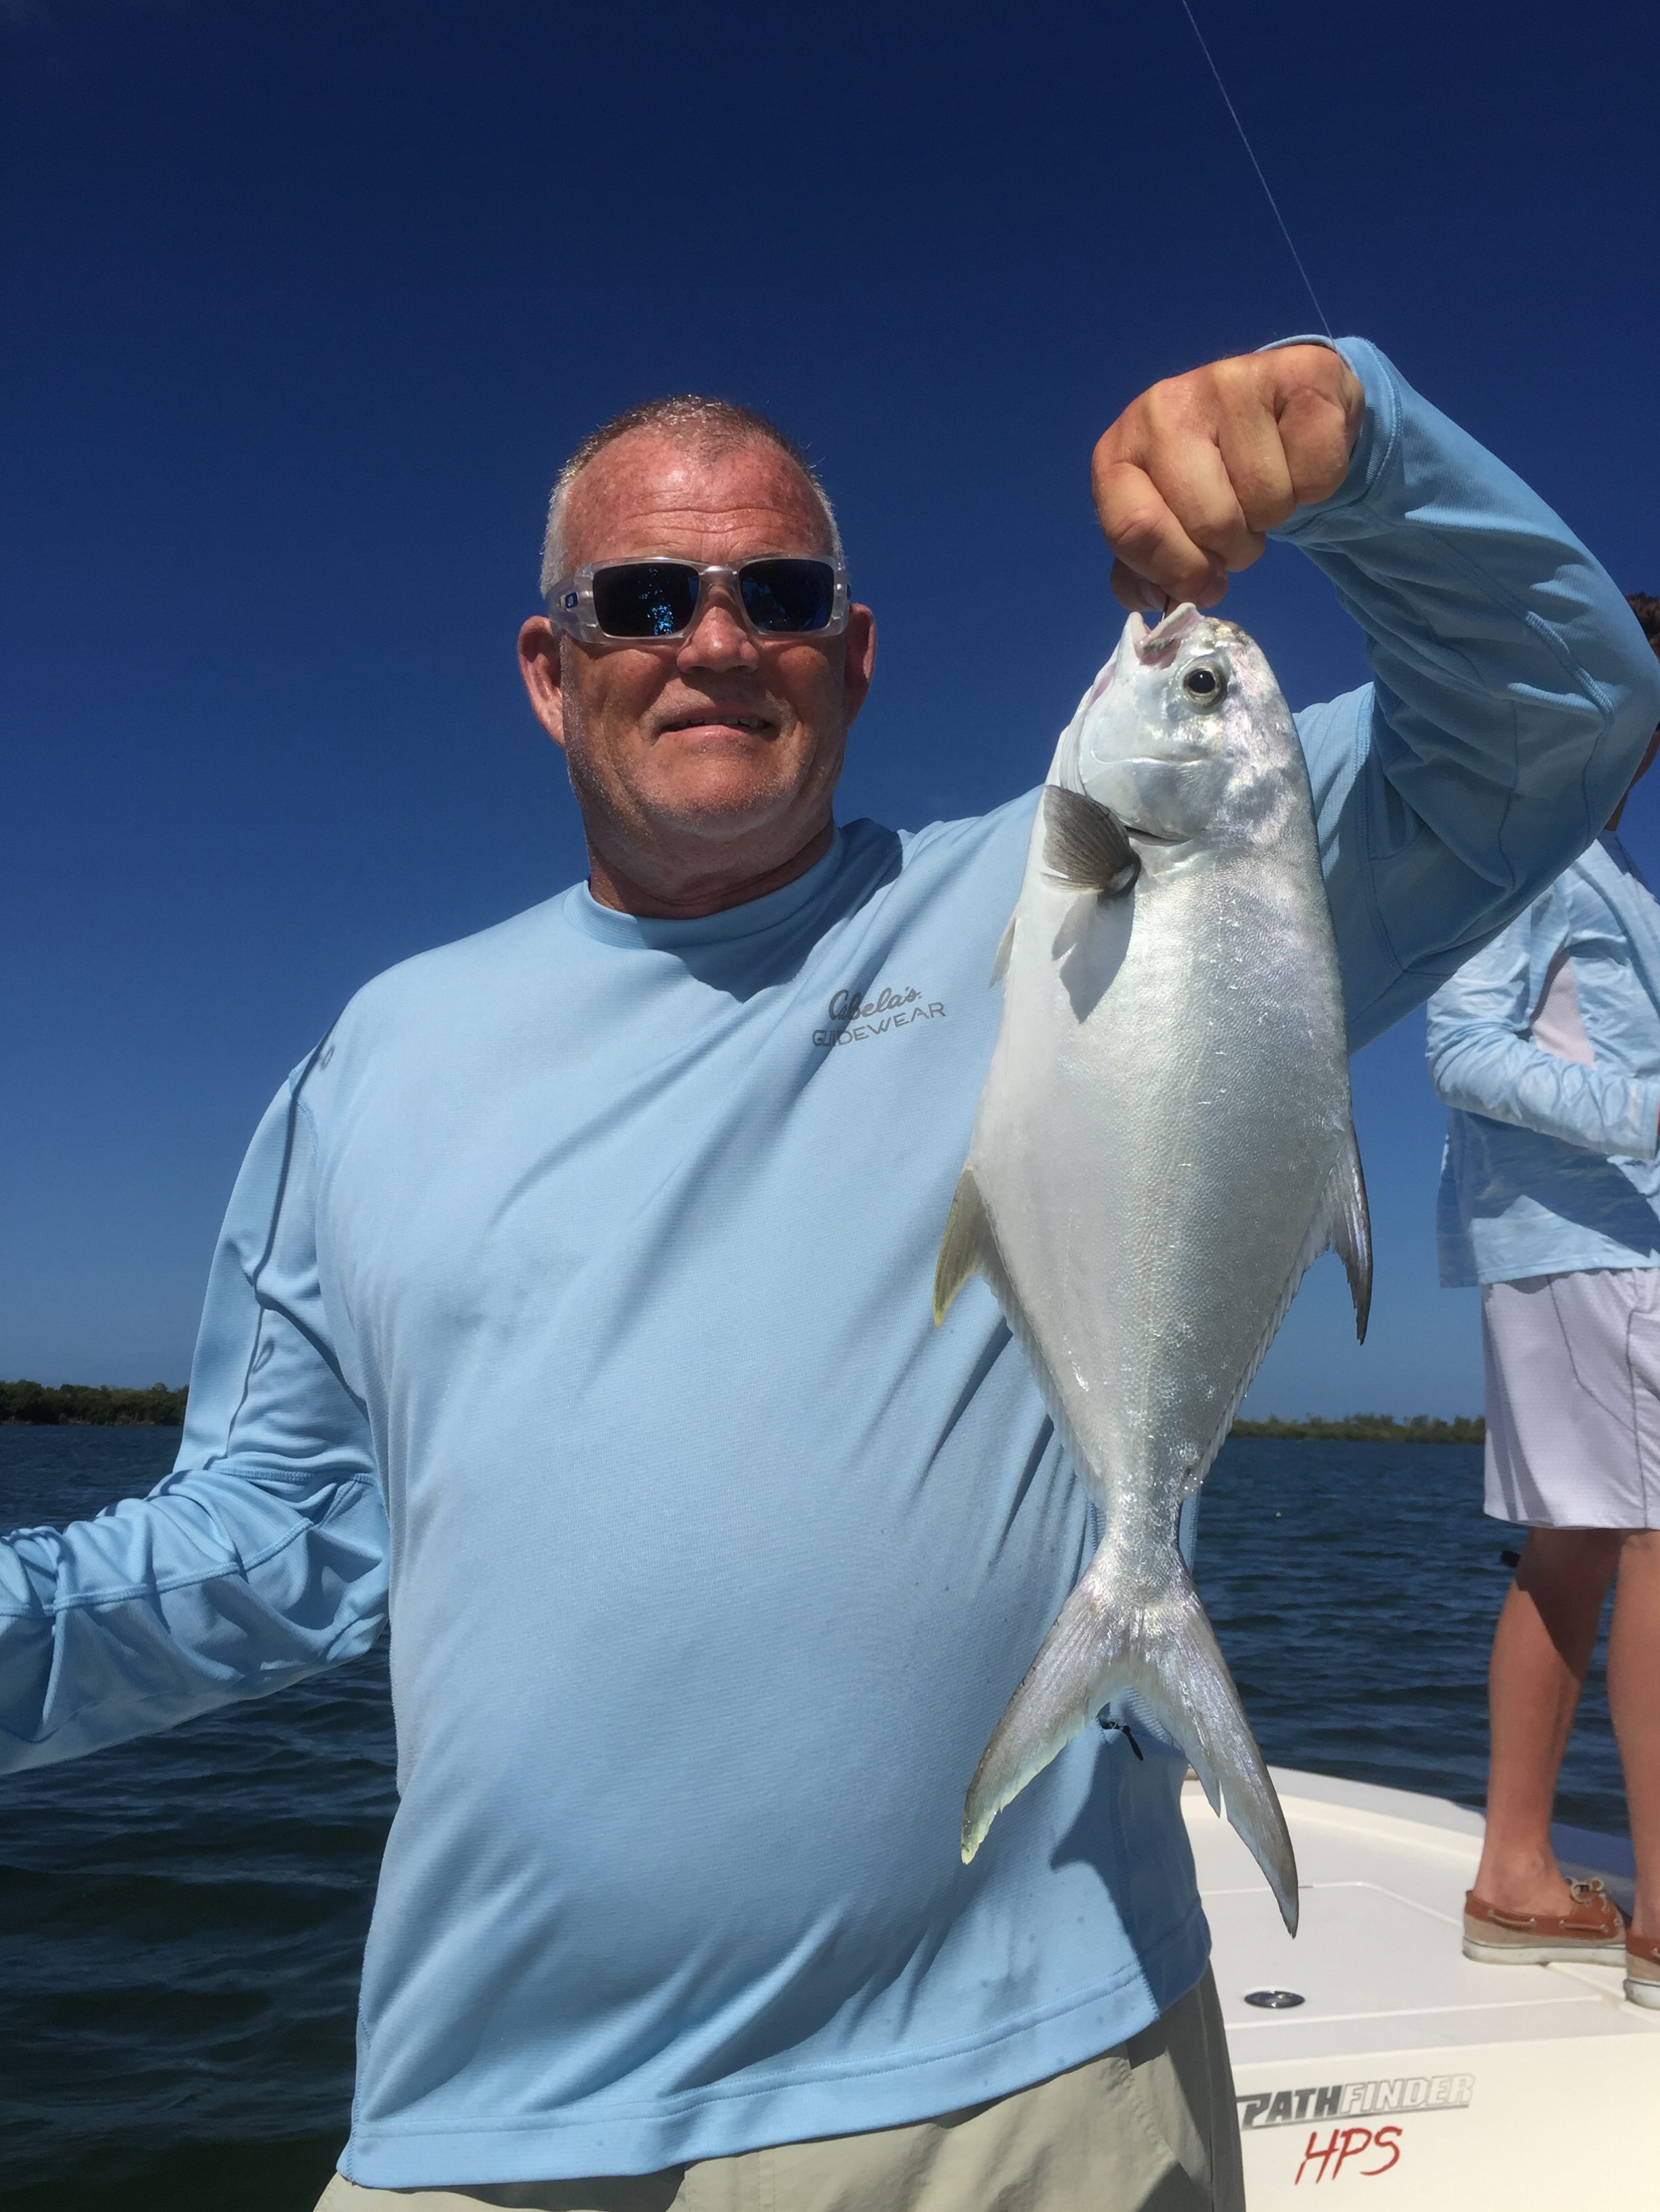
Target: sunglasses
[781,595]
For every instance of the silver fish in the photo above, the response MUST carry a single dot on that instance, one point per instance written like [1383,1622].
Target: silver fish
[1163,1146]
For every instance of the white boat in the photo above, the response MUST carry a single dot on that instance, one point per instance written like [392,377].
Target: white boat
[1393,2068]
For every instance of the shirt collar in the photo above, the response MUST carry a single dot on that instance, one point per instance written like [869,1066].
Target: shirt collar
[754,918]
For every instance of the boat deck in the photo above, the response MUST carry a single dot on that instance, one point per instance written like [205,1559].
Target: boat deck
[1452,2084]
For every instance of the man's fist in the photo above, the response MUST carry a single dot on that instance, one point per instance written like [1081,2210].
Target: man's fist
[1191,476]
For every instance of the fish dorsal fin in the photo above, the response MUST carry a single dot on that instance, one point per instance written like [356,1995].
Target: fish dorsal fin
[968,1247]
[1350,1230]
[1005,945]
[1084,844]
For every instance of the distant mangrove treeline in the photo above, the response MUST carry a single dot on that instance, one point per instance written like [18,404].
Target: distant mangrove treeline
[1373,1429]
[92,1405]
[95,1405]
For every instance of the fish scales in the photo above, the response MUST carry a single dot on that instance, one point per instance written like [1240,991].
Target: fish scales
[1162,1145]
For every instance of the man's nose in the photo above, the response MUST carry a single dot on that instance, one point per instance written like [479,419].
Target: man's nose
[719,637]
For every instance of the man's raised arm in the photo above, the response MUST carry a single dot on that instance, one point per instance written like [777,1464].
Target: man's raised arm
[261,1559]
[1513,691]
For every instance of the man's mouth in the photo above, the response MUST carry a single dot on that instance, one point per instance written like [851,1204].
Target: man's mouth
[715,718]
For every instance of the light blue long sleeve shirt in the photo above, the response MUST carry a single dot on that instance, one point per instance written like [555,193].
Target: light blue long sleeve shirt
[573,1315]
[1551,1162]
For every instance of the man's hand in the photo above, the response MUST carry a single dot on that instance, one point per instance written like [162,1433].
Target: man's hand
[1190,477]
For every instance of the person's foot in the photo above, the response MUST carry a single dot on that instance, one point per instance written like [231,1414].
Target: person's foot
[1521,1880]
[1592,1931]
[1643,1970]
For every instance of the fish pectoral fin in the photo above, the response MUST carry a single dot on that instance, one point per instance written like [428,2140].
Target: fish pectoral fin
[1163,1659]
[1084,844]
[1005,945]
[968,1247]
[1350,1230]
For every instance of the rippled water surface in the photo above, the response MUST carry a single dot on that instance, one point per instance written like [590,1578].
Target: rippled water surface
[183,1919]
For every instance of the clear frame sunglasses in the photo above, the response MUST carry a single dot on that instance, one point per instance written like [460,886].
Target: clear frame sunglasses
[656,602]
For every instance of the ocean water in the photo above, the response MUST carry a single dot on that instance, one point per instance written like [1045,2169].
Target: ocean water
[183,1919]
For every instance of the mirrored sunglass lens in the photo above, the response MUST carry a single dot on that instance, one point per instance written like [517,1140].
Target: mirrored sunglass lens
[788,595]
[644,599]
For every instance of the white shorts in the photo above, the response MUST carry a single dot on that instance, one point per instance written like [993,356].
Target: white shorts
[1573,1399]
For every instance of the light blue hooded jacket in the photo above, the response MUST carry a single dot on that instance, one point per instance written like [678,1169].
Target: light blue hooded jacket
[573,1318]
[1547,1047]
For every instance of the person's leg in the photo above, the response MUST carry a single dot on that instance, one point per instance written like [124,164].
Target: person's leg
[1540,1652]
[1634,1701]
[1184,2075]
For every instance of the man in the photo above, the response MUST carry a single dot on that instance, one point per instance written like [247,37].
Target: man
[1547,1048]
[571,1313]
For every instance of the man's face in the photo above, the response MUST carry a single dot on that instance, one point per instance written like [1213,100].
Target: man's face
[714,757]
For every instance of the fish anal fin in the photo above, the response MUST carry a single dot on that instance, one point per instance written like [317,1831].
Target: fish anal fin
[1350,1230]
[1004,947]
[968,1247]
[1084,844]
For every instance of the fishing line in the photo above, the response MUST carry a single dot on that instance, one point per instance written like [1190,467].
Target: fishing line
[1257,166]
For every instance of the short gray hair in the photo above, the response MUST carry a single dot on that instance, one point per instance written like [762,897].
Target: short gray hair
[716,425]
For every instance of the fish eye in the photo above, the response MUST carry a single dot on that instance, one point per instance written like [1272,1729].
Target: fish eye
[1205,684]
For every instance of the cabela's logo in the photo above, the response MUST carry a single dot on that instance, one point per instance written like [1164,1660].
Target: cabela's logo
[853,1018]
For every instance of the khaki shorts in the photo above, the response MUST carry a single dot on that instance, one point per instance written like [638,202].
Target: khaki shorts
[1150,2124]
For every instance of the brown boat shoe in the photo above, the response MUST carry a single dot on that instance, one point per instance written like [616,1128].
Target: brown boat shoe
[1643,1970]
[1593,1931]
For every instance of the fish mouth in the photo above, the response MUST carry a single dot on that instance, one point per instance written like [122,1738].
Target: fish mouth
[1154,646]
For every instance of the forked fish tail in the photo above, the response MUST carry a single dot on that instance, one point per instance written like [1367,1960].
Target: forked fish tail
[1161,1654]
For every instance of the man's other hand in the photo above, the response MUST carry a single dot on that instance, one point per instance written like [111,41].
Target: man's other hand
[1192,475]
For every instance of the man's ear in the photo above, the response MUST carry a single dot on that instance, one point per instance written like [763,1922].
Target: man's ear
[858,650]
[538,663]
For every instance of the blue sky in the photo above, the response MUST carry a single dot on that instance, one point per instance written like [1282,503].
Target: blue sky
[307,302]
